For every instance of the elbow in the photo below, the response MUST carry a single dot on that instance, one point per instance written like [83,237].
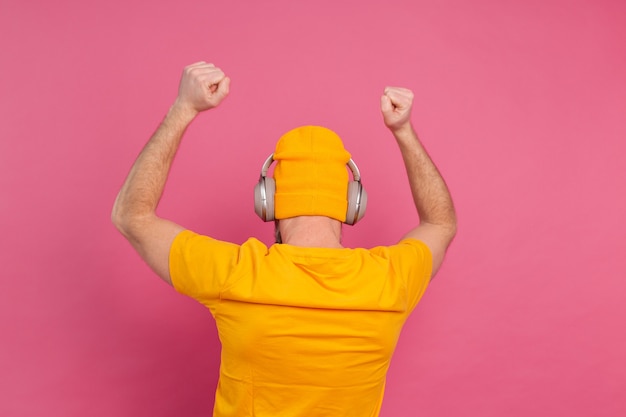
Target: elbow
[452,231]
[453,224]
[124,220]
[118,219]
[449,222]
[447,231]
[451,227]
[128,225]
[131,223]
[448,228]
[130,217]
[447,225]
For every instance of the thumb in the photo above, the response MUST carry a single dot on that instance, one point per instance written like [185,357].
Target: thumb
[223,87]
[385,104]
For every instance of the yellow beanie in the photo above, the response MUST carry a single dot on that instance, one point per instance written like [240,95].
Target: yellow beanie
[311,175]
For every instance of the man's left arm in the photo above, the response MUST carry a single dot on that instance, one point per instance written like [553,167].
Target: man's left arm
[202,87]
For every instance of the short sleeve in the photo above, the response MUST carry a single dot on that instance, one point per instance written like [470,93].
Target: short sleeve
[199,265]
[412,260]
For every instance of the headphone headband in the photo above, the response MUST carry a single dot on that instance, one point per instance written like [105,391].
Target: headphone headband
[356,174]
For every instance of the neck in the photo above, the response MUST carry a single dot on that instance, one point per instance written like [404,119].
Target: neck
[311,231]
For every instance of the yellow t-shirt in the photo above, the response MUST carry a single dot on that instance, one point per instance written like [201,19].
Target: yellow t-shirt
[305,332]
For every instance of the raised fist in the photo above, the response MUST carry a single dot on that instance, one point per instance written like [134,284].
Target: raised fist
[202,86]
[395,105]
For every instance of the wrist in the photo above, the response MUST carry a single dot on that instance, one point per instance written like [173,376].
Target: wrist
[183,111]
[403,132]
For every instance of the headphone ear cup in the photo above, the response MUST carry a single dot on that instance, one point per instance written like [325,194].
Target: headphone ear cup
[356,199]
[264,192]
[363,204]
[270,191]
[258,198]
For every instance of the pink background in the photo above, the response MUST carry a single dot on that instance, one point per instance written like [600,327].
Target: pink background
[521,104]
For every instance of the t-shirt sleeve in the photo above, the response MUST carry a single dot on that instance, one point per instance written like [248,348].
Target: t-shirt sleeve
[413,261]
[199,265]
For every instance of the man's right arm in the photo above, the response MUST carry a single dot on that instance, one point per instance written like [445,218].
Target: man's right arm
[432,199]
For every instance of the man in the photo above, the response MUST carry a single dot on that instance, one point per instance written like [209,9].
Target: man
[307,327]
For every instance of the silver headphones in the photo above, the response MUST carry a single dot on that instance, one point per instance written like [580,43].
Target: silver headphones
[265,190]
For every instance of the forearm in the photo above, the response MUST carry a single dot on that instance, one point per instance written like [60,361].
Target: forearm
[430,193]
[431,196]
[144,185]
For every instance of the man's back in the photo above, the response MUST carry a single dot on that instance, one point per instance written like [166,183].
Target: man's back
[308,330]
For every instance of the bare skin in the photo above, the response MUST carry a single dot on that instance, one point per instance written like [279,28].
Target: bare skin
[311,231]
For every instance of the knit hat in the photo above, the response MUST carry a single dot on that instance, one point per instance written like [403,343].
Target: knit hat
[311,175]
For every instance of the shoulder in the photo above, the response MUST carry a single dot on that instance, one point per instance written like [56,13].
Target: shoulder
[410,258]
[188,237]
[200,265]
[407,247]
[188,241]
